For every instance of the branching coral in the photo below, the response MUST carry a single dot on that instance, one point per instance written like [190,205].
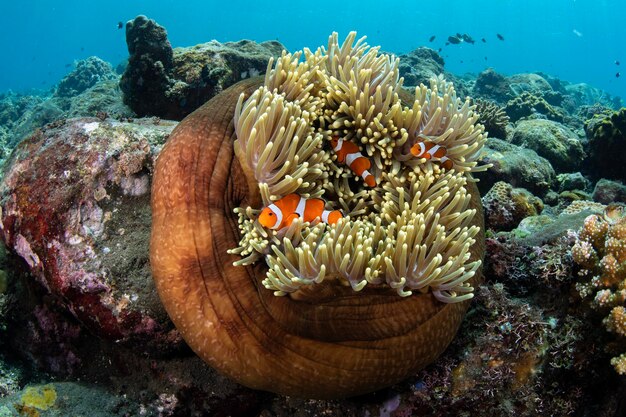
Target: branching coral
[411,231]
[601,253]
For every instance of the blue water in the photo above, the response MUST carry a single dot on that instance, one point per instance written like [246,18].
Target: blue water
[576,40]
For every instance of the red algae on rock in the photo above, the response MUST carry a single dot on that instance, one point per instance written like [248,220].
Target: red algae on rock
[75,206]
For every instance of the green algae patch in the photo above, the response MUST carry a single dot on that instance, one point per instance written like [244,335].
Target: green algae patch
[36,398]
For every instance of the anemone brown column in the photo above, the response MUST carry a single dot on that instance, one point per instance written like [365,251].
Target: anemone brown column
[327,343]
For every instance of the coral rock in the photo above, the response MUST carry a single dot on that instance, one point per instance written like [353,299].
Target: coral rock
[88,72]
[607,141]
[526,105]
[555,142]
[75,206]
[493,86]
[171,83]
[517,166]
[607,191]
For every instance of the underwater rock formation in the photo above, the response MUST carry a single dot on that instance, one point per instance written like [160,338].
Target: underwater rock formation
[493,86]
[75,207]
[520,167]
[88,72]
[527,104]
[572,181]
[607,191]
[607,141]
[420,65]
[295,343]
[171,83]
[551,140]
[531,83]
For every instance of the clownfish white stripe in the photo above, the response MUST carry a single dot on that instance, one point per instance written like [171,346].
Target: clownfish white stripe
[301,207]
[279,214]
[351,157]
[338,146]
[366,174]
[325,214]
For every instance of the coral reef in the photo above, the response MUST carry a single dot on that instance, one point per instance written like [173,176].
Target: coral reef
[74,202]
[551,140]
[506,206]
[419,66]
[520,167]
[527,104]
[607,140]
[160,81]
[493,86]
[88,72]
[493,117]
[531,83]
[600,251]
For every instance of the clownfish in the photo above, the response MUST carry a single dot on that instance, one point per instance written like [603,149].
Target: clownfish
[430,150]
[348,153]
[283,212]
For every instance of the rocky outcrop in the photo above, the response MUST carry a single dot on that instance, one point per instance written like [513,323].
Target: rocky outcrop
[75,206]
[171,83]
[555,142]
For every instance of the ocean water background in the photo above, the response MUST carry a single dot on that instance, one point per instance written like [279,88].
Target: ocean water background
[575,40]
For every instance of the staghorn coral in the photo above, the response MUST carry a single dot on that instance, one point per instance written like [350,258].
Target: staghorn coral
[493,117]
[412,231]
[601,253]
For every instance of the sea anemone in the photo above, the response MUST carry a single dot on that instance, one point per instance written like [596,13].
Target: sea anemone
[417,229]
[412,231]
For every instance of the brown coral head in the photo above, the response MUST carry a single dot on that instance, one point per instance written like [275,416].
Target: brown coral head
[213,264]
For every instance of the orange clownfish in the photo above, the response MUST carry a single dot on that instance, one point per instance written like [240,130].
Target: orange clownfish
[283,212]
[348,153]
[430,150]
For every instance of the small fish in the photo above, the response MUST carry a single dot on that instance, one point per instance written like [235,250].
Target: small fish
[485,58]
[283,212]
[577,33]
[467,38]
[484,40]
[461,61]
[431,151]
[454,40]
[616,62]
[617,75]
[68,65]
[348,153]
[432,38]
[500,36]
[82,48]
[120,25]
[439,50]
[447,43]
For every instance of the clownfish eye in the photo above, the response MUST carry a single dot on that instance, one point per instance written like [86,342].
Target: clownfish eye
[271,214]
